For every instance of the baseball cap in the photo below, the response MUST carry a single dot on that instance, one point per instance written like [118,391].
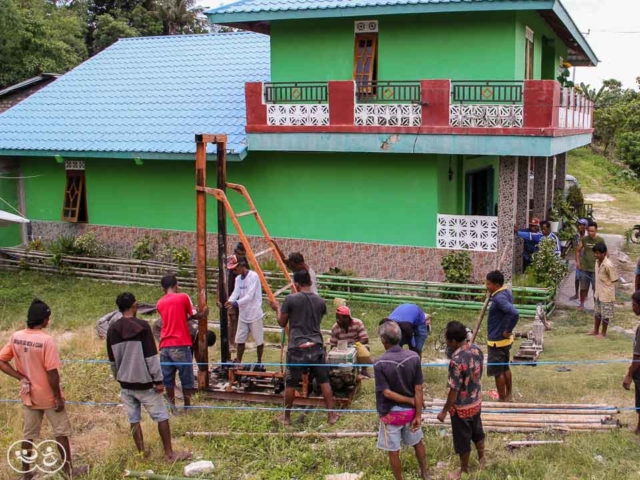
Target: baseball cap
[534,221]
[343,310]
[232,262]
[583,221]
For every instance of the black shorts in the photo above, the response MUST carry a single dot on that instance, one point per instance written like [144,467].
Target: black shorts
[498,355]
[465,431]
[637,384]
[306,356]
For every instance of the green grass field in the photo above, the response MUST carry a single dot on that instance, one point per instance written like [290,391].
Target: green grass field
[102,439]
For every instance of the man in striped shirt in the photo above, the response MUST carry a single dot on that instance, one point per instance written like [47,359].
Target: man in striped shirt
[350,329]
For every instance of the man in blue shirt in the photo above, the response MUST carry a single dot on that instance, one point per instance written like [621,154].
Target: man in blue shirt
[503,318]
[532,239]
[415,325]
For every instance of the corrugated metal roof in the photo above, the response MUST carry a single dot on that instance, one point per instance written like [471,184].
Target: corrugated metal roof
[254,6]
[144,95]
[28,83]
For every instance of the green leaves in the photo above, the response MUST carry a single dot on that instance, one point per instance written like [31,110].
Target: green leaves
[457,267]
[548,269]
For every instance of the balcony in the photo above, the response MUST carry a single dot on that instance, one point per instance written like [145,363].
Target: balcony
[539,108]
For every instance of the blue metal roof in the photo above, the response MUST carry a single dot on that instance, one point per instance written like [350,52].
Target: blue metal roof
[144,97]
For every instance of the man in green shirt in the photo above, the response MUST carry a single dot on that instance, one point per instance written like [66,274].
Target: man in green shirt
[586,261]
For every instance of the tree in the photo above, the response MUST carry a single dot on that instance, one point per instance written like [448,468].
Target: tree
[109,30]
[591,93]
[182,16]
[37,37]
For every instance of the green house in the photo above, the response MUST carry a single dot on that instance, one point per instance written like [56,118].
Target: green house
[372,135]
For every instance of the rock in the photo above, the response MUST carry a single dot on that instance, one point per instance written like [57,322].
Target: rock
[345,476]
[599,458]
[198,468]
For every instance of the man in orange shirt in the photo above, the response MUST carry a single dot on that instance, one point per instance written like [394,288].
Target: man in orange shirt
[37,363]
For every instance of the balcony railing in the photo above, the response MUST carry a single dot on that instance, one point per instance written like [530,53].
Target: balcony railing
[528,108]
[388,92]
[298,92]
[494,91]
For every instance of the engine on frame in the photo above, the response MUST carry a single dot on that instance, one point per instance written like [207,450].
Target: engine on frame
[343,370]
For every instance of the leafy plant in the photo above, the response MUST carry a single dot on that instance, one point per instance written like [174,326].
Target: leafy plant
[563,77]
[181,256]
[347,287]
[144,249]
[62,245]
[547,268]
[87,245]
[457,267]
[628,149]
[36,245]
[575,199]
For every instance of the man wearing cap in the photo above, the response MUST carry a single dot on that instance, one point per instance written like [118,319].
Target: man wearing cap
[577,240]
[37,363]
[348,329]
[247,298]
[232,313]
[530,244]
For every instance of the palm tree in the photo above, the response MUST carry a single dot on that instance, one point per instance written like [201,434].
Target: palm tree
[591,93]
[181,16]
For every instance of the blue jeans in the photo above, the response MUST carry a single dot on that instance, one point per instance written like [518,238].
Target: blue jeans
[182,356]
[420,337]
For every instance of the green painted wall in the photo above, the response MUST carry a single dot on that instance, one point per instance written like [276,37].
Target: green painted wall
[458,46]
[374,198]
[540,28]
[471,164]
[9,236]
[449,192]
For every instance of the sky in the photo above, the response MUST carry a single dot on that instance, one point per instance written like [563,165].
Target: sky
[606,25]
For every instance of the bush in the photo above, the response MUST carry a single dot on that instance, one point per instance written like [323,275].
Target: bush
[144,249]
[575,199]
[88,245]
[457,267]
[628,149]
[63,245]
[547,268]
[36,245]
[337,272]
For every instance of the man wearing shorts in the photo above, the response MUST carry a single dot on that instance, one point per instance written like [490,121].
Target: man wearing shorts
[633,374]
[303,312]
[398,376]
[605,295]
[37,363]
[586,262]
[464,402]
[503,318]
[136,366]
[247,298]
[176,310]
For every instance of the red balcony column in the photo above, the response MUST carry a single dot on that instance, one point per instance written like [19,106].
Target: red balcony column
[436,95]
[342,103]
[541,103]
[256,108]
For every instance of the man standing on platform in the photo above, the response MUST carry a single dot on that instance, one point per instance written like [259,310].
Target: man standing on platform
[232,313]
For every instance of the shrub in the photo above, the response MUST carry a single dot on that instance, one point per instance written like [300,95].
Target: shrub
[337,272]
[547,268]
[63,245]
[144,249]
[575,199]
[628,149]
[457,267]
[36,245]
[87,245]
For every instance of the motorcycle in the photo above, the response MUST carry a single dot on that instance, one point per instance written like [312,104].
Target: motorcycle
[634,234]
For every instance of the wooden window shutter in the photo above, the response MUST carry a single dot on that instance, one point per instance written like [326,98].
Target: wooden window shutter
[528,54]
[74,207]
[365,64]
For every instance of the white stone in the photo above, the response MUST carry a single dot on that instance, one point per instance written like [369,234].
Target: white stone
[198,468]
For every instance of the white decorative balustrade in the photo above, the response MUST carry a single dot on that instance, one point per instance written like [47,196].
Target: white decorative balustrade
[300,115]
[489,116]
[382,115]
[465,232]
[575,111]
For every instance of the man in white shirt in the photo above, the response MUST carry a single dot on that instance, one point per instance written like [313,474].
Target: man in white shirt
[247,298]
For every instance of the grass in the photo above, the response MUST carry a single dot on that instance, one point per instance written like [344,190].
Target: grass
[597,175]
[101,438]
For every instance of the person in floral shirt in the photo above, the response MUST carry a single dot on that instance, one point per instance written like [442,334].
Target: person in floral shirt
[464,402]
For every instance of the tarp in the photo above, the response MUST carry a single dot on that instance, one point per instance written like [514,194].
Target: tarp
[7,218]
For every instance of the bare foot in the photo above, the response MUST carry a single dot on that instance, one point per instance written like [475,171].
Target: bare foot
[601,335]
[592,333]
[457,475]
[283,420]
[483,463]
[580,308]
[333,418]
[575,297]
[178,457]
[424,475]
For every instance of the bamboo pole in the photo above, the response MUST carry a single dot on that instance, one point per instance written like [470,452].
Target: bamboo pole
[534,418]
[152,476]
[508,405]
[285,434]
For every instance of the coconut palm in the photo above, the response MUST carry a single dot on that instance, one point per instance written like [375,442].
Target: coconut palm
[181,16]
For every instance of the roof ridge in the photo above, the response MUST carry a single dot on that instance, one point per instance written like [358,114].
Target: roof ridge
[183,36]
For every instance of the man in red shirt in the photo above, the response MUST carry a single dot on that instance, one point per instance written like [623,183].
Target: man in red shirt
[37,363]
[175,309]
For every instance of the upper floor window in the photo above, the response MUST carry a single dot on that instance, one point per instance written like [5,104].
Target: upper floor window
[528,54]
[365,63]
[74,207]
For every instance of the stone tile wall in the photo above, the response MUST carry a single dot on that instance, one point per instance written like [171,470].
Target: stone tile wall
[367,260]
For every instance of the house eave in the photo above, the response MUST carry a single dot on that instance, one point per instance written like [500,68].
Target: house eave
[231,157]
